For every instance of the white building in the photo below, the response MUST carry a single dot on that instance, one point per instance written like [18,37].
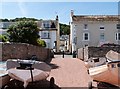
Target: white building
[4,26]
[50,33]
[93,30]
[64,43]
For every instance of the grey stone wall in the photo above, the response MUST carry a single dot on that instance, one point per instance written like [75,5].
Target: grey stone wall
[95,52]
[23,51]
[101,51]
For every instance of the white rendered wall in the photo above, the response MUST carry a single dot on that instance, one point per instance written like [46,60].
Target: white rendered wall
[73,35]
[53,38]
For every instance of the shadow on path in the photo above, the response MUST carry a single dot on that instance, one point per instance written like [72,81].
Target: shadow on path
[44,84]
[53,66]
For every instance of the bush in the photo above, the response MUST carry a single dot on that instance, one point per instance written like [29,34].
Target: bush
[3,38]
[41,43]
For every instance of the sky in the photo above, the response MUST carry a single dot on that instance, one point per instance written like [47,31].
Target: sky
[49,10]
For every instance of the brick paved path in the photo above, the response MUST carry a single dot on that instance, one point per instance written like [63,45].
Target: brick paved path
[69,72]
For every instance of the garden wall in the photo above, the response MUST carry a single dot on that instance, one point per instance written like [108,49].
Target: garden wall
[85,53]
[23,51]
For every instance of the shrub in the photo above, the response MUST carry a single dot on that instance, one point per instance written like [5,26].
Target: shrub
[41,43]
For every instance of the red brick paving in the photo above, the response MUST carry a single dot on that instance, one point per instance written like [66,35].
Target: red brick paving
[69,72]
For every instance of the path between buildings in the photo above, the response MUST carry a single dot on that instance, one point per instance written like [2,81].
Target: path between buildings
[69,72]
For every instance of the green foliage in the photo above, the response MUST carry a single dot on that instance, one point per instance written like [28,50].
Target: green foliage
[41,43]
[23,19]
[18,19]
[24,32]
[3,38]
[64,29]
[4,20]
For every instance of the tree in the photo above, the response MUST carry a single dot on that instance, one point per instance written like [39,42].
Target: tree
[4,20]
[41,43]
[23,19]
[64,29]
[24,32]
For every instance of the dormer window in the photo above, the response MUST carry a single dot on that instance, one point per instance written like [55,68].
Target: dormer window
[46,24]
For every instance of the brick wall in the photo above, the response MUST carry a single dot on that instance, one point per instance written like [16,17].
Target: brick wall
[22,51]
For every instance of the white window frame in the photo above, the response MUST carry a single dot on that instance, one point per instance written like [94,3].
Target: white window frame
[117,25]
[103,38]
[45,35]
[84,36]
[46,24]
[1,25]
[117,36]
[103,27]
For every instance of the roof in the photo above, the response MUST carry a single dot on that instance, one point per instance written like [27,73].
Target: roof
[96,17]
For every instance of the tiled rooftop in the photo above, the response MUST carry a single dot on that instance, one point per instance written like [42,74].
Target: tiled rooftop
[96,17]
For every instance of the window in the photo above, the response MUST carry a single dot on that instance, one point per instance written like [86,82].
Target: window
[75,40]
[118,26]
[85,26]
[45,35]
[48,35]
[101,27]
[1,25]
[46,24]
[102,36]
[117,36]
[86,36]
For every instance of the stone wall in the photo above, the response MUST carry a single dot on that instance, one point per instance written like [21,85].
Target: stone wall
[23,51]
[101,51]
[95,52]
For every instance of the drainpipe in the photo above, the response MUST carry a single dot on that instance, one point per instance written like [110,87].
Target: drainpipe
[83,53]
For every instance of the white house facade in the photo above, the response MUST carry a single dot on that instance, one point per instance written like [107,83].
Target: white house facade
[4,27]
[49,32]
[94,30]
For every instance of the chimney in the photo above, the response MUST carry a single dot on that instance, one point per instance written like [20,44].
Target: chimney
[72,13]
[57,17]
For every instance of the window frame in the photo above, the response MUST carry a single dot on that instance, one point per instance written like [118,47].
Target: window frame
[102,35]
[85,26]
[45,35]
[117,36]
[84,36]
[118,26]
[46,24]
[102,27]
